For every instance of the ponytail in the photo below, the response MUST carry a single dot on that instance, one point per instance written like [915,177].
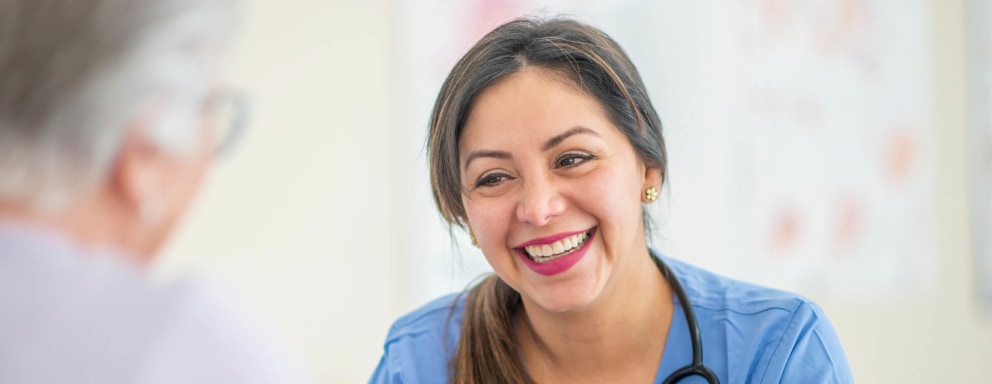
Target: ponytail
[487,349]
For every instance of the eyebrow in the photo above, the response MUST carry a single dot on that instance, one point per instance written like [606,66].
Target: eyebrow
[554,141]
[494,154]
[551,143]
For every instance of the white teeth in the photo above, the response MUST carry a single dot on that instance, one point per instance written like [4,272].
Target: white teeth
[547,252]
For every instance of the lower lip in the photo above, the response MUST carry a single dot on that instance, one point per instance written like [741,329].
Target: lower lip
[560,264]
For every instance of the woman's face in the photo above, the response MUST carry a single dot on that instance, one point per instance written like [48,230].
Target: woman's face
[552,190]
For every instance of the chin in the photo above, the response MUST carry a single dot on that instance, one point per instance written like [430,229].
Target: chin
[574,290]
[565,298]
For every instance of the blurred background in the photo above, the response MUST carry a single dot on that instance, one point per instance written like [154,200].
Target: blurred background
[836,148]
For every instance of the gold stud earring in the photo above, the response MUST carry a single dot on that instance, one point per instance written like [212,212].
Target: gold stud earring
[651,194]
[474,241]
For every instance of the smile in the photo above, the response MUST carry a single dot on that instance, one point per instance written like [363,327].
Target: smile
[555,254]
[543,253]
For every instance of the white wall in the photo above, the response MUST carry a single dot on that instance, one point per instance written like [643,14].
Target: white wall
[306,220]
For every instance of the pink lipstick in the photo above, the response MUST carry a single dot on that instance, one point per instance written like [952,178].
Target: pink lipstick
[556,264]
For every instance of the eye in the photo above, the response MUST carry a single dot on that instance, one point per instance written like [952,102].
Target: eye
[492,179]
[572,159]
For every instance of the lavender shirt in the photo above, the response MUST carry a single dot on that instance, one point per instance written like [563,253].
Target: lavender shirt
[74,316]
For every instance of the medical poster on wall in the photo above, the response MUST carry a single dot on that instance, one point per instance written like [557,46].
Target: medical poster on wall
[799,133]
[830,137]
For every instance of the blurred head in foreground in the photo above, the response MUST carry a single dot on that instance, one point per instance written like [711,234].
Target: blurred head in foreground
[110,113]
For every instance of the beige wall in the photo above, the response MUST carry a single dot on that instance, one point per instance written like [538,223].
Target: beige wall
[293,220]
[298,221]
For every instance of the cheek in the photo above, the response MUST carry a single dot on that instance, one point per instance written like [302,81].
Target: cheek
[612,197]
[612,189]
[487,220]
[490,221]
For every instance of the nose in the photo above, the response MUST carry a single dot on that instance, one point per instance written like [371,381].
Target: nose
[540,203]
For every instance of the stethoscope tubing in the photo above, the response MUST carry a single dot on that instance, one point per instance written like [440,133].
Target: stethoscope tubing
[696,367]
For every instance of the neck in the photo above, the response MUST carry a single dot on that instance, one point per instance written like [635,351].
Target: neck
[624,331]
[87,225]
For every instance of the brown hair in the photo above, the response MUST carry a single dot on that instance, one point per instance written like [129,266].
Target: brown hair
[487,350]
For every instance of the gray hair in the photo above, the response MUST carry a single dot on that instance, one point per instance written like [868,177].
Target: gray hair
[75,73]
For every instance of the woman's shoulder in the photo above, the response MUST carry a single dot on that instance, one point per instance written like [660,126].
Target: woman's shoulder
[790,338]
[711,291]
[433,318]
[420,344]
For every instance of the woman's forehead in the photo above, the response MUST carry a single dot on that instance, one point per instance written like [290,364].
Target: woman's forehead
[527,103]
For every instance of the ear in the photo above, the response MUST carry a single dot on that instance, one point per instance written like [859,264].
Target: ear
[652,178]
[137,177]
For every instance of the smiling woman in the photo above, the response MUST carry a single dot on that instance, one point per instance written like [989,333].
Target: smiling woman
[566,170]
[544,145]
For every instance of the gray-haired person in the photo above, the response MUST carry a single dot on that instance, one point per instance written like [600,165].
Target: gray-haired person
[111,112]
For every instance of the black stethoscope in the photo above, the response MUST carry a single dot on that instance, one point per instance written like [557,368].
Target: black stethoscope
[696,368]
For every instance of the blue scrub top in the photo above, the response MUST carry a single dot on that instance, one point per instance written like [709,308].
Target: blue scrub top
[750,334]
